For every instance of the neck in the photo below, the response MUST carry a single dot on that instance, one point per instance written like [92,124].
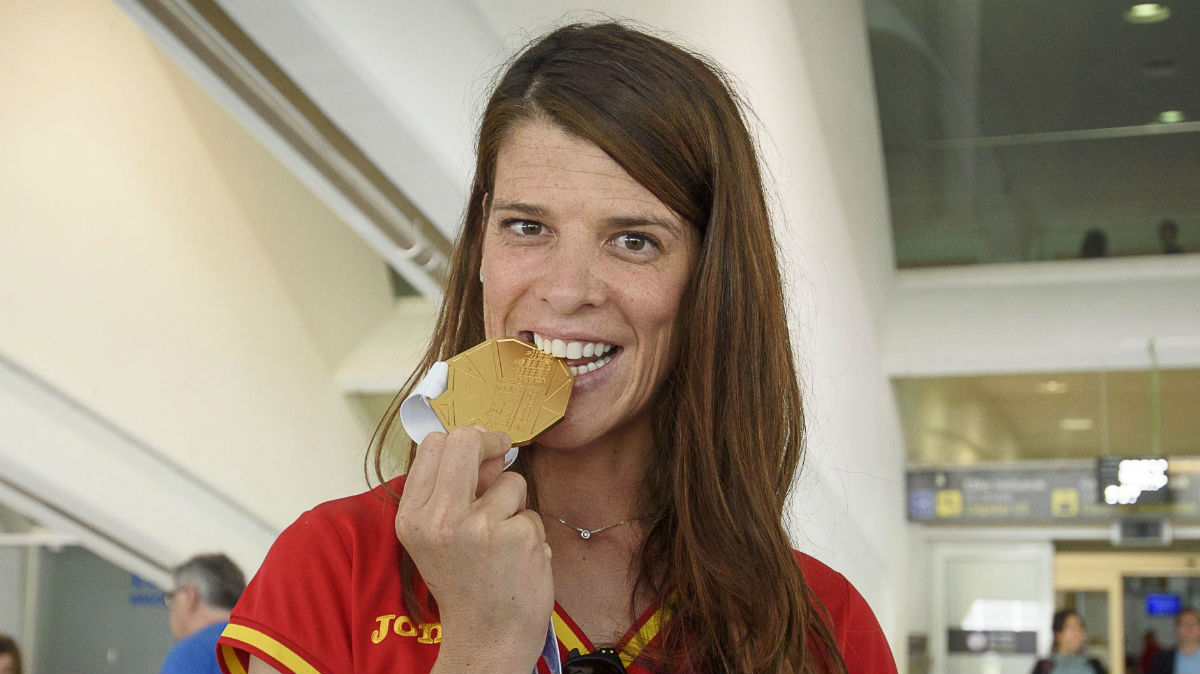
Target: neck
[1188,649]
[205,616]
[594,485]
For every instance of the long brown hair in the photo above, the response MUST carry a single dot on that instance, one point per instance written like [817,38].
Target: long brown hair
[728,422]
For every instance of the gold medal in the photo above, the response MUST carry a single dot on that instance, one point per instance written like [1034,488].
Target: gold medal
[505,385]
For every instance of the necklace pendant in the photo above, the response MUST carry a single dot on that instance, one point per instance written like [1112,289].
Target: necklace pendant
[585,534]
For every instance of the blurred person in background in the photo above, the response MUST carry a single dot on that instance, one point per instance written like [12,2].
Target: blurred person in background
[1066,655]
[206,588]
[1095,244]
[1185,657]
[1168,235]
[1150,648]
[10,656]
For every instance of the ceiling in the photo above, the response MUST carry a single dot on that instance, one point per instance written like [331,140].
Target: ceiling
[957,420]
[1013,126]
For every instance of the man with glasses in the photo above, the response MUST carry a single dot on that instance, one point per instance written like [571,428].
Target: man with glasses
[206,588]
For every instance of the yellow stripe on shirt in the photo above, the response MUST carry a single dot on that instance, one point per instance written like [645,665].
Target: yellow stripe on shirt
[644,635]
[567,635]
[282,654]
[232,664]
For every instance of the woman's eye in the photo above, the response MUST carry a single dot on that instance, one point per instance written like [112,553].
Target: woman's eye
[525,227]
[636,242]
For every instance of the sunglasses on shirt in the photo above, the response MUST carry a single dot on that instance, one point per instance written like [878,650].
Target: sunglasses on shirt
[599,661]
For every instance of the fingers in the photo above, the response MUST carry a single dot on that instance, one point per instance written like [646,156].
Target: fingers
[505,498]
[424,469]
[534,520]
[489,470]
[465,448]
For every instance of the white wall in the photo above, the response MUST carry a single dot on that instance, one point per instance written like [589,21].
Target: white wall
[1083,315]
[164,275]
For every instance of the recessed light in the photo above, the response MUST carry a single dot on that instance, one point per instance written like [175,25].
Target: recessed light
[1051,386]
[1170,117]
[1070,424]
[1147,12]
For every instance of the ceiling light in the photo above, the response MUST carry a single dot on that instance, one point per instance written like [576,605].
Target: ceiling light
[1147,12]
[1051,386]
[1170,117]
[1070,424]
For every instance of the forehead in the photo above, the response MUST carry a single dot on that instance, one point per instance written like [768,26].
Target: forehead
[539,162]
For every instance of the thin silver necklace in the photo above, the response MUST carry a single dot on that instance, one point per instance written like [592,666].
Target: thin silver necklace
[586,534]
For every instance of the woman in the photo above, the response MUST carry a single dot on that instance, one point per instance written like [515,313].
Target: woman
[10,656]
[1066,655]
[618,207]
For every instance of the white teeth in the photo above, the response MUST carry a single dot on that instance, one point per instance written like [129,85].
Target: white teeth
[577,370]
[569,349]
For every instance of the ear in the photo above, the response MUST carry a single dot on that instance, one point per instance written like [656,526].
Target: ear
[191,596]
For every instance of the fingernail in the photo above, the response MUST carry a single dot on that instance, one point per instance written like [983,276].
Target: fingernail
[480,428]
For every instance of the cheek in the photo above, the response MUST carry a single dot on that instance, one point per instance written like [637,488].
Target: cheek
[505,279]
[654,308]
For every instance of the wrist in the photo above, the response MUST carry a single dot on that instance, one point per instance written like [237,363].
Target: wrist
[505,650]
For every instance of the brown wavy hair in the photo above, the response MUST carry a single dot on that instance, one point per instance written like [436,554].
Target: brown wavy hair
[728,421]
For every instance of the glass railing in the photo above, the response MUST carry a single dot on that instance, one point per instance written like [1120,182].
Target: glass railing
[1019,131]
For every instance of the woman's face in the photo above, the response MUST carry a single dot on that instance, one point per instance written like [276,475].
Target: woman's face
[584,261]
[1070,639]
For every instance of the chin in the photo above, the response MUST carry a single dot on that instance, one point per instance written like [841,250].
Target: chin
[566,435]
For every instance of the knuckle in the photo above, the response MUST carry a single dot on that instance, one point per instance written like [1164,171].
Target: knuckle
[463,434]
[514,481]
[434,440]
[527,527]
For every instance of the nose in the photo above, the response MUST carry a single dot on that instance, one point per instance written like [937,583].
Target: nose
[572,279]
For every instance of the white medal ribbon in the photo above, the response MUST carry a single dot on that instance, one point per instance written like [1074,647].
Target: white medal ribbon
[419,420]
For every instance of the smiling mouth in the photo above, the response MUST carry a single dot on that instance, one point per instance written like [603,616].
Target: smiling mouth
[581,357]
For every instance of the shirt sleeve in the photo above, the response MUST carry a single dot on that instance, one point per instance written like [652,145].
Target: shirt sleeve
[855,629]
[864,647]
[295,613]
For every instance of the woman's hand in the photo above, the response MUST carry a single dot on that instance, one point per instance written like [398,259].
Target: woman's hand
[483,555]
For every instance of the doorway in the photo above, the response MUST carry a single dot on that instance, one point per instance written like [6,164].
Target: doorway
[1122,594]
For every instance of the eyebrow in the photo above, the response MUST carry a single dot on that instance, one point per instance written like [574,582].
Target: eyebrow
[631,221]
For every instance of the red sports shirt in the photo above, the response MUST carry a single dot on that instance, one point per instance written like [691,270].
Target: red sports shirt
[328,599]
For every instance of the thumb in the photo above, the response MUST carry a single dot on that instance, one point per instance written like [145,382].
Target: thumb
[492,463]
